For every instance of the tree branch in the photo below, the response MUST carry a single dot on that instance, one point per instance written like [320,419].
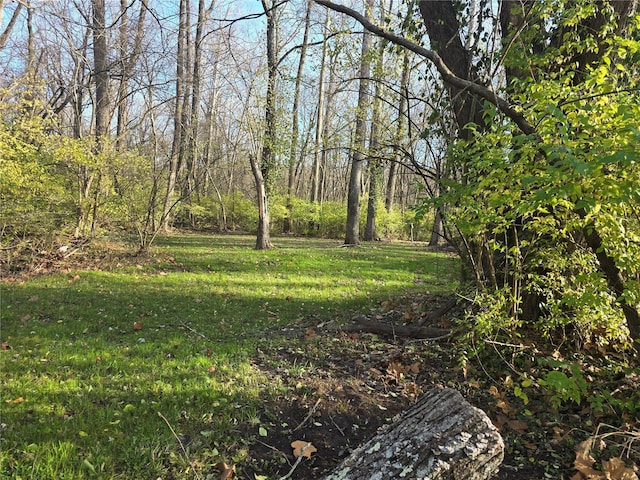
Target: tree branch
[447,75]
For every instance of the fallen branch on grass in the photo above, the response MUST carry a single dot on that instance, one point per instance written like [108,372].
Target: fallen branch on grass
[364,324]
[184,450]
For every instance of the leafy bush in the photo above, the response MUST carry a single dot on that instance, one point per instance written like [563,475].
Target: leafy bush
[528,208]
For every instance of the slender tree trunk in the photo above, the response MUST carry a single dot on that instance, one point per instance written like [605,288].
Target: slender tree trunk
[192,137]
[178,126]
[400,132]
[294,123]
[375,167]
[263,237]
[128,60]
[262,174]
[12,21]
[437,231]
[101,73]
[316,181]
[87,201]
[187,136]
[352,236]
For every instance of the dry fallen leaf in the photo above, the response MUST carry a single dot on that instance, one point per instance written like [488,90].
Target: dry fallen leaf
[300,447]
[137,326]
[518,425]
[226,471]
[504,406]
[493,390]
[584,461]
[616,469]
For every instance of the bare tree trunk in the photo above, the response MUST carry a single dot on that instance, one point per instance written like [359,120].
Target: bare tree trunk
[12,21]
[88,203]
[178,127]
[437,231]
[294,122]
[262,174]
[400,132]
[128,60]
[352,236]
[375,167]
[101,72]
[263,236]
[316,181]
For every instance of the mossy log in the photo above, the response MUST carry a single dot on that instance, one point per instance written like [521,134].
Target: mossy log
[441,437]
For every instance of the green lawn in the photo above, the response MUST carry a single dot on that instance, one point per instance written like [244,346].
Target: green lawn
[93,359]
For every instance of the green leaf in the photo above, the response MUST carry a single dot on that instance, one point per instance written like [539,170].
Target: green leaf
[89,466]
[262,431]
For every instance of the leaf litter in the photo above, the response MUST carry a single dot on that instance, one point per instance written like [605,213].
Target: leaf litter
[353,383]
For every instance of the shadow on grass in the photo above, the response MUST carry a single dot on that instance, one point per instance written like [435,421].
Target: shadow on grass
[92,358]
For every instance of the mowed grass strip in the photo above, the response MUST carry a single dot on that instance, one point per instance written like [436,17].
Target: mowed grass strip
[91,358]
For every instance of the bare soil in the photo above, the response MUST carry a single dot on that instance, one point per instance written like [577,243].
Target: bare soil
[341,387]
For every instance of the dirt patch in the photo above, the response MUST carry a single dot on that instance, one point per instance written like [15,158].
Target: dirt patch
[339,388]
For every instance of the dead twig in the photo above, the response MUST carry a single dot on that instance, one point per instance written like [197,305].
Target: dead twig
[298,460]
[184,450]
[192,330]
[309,415]
[274,449]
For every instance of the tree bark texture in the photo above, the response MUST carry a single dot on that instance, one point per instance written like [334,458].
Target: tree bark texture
[14,17]
[178,115]
[320,115]
[288,226]
[352,236]
[263,236]
[267,165]
[403,103]
[440,437]
[101,72]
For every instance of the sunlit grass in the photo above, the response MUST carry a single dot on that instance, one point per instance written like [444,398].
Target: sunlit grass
[92,357]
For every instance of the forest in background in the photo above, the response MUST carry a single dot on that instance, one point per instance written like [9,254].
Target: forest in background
[506,129]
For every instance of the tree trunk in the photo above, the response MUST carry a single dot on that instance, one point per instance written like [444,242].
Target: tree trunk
[263,236]
[352,236]
[262,172]
[614,277]
[442,436]
[128,60]
[319,144]
[437,231]
[178,126]
[288,228]
[400,132]
[101,72]
[375,168]
[443,28]
[192,137]
[14,17]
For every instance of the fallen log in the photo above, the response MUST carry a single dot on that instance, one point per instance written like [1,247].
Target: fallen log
[440,437]
[436,314]
[363,324]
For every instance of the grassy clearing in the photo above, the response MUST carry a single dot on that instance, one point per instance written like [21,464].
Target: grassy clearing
[91,358]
